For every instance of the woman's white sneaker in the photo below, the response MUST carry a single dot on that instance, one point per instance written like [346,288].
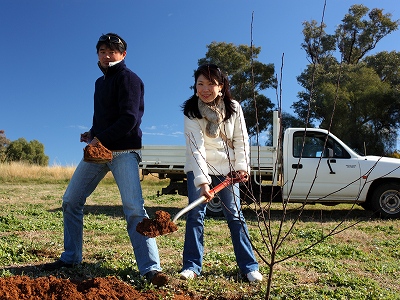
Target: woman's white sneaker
[187,274]
[254,276]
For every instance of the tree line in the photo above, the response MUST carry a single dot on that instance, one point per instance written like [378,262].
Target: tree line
[21,150]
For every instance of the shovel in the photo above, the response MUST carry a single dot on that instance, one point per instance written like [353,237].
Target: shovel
[228,181]
[162,224]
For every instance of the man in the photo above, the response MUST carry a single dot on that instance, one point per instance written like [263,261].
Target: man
[118,110]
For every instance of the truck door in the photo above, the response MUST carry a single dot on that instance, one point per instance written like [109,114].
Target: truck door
[320,177]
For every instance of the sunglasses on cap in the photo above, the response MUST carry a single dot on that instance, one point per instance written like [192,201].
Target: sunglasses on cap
[111,39]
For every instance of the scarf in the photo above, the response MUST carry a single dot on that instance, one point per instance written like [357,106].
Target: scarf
[214,115]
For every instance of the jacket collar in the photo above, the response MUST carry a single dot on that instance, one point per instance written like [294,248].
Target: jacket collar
[112,69]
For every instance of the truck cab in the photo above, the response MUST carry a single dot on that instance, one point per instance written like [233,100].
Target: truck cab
[320,168]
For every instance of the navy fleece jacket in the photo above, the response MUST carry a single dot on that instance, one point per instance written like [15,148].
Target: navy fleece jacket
[118,108]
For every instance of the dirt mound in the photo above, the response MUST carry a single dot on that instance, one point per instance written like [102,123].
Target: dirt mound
[160,225]
[53,288]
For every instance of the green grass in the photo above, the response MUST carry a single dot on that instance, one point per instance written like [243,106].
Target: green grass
[362,262]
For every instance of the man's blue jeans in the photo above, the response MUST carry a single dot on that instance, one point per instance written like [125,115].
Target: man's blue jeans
[194,235]
[87,176]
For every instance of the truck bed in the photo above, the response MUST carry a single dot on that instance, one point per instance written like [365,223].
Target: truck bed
[163,160]
[169,161]
[263,164]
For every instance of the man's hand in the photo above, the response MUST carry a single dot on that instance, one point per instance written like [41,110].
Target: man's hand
[95,152]
[86,137]
[95,142]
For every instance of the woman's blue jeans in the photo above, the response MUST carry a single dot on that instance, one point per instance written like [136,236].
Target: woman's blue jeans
[87,176]
[194,235]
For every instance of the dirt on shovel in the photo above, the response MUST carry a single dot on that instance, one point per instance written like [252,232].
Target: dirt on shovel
[160,225]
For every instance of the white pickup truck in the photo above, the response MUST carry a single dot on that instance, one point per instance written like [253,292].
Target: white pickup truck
[311,165]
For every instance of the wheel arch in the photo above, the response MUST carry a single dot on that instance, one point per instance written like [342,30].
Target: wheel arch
[378,182]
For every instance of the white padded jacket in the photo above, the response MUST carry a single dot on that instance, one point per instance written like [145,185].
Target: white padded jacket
[212,156]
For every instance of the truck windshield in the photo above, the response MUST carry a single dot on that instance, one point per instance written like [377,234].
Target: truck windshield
[314,145]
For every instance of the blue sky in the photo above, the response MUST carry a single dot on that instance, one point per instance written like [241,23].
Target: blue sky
[49,61]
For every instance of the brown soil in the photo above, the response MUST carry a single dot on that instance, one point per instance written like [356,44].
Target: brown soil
[160,225]
[97,153]
[52,288]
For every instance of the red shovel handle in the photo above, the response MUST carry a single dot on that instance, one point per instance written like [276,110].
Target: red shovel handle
[232,178]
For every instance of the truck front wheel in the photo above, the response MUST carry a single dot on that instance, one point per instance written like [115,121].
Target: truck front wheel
[386,201]
[214,208]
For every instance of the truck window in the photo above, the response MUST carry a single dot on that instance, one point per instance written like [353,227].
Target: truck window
[314,145]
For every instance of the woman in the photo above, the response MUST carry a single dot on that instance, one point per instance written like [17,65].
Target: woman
[216,145]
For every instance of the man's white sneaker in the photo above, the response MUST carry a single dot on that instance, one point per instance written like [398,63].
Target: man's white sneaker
[254,276]
[187,274]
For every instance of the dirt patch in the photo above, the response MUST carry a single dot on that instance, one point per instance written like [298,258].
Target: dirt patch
[160,225]
[53,288]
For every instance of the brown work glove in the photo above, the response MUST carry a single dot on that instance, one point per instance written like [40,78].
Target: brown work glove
[97,153]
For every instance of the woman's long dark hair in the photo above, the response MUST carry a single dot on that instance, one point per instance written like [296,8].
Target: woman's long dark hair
[212,73]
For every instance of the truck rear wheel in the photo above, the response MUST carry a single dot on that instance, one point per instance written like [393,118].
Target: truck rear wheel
[214,208]
[386,201]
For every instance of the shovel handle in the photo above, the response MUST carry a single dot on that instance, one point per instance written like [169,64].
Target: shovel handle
[228,181]
[189,207]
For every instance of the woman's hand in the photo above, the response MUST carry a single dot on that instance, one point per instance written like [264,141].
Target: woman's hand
[205,191]
[243,175]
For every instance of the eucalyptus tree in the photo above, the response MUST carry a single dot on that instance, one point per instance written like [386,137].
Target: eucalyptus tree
[248,78]
[362,89]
